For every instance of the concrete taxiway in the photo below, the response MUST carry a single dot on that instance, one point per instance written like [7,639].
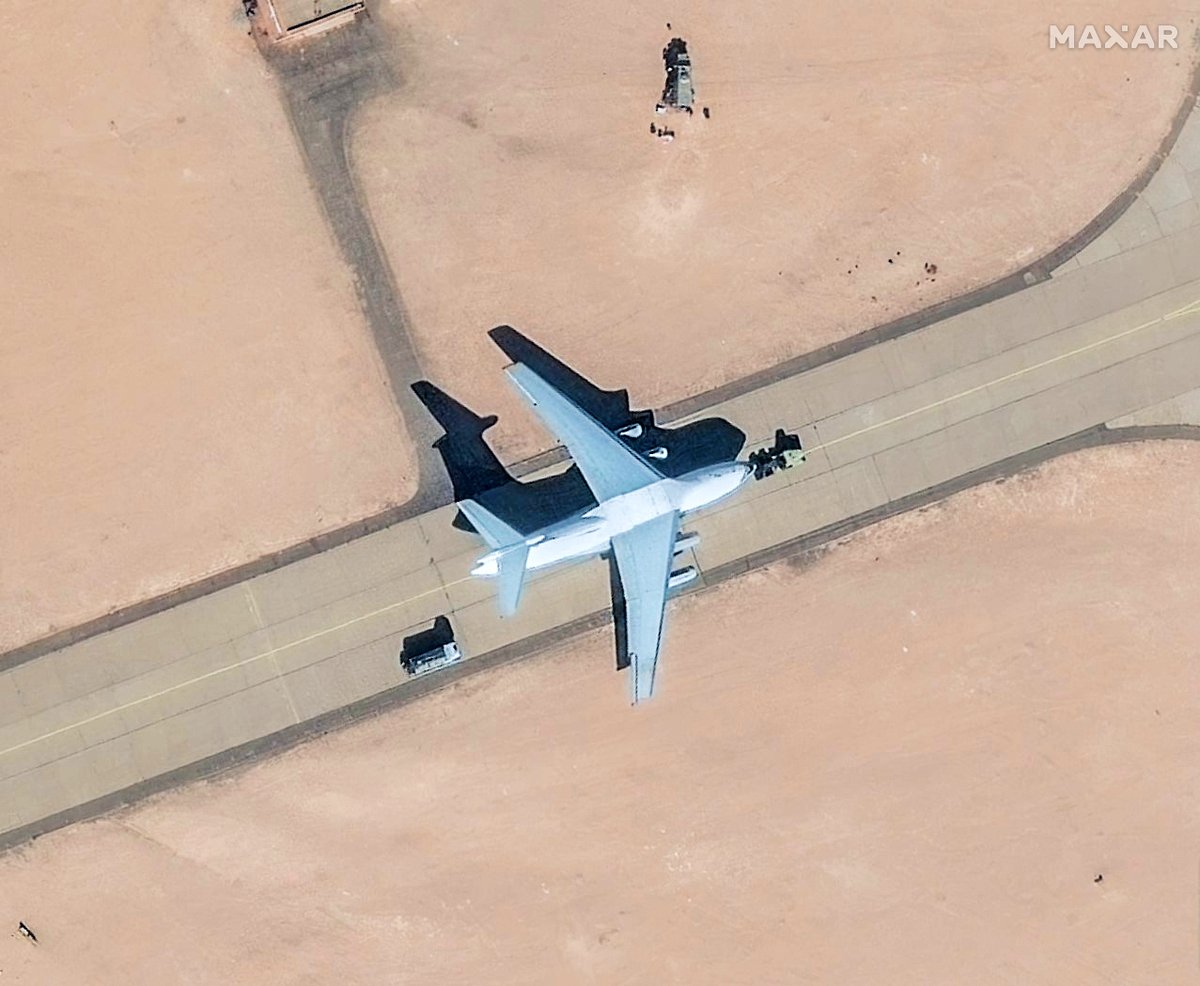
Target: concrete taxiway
[1114,333]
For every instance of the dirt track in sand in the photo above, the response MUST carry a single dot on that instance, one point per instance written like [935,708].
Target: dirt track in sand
[514,179]
[186,381]
[975,712]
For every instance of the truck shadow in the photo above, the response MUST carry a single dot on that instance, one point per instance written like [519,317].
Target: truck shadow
[440,634]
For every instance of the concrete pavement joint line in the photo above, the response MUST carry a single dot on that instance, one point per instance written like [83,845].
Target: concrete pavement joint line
[830,470]
[407,692]
[182,712]
[833,470]
[1040,272]
[1192,307]
[227,668]
[287,692]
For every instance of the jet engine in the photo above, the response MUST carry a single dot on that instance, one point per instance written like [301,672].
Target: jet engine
[685,542]
[680,577]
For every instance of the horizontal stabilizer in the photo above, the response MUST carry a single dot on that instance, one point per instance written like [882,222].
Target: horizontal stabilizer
[642,673]
[512,577]
[491,528]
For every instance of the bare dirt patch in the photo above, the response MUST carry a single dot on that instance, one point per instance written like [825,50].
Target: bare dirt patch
[186,381]
[858,165]
[960,748]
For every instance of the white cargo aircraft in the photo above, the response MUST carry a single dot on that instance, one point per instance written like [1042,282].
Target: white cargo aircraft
[636,516]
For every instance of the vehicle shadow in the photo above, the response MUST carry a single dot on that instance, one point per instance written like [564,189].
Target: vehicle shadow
[440,634]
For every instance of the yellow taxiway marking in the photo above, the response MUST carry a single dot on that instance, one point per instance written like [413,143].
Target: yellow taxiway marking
[228,667]
[1192,308]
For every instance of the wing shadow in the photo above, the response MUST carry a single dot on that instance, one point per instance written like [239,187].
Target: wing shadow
[476,473]
[691,446]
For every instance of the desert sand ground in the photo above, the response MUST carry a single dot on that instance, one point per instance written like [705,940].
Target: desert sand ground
[959,748]
[186,381]
[515,179]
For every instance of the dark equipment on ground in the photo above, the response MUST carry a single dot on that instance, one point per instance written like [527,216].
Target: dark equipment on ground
[785,453]
[432,660]
[678,92]
[429,650]
[26,931]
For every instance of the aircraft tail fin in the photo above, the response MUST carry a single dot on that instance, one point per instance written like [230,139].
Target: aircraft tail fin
[491,528]
[512,548]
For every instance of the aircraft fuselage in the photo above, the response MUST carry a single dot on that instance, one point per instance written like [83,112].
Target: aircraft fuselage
[590,532]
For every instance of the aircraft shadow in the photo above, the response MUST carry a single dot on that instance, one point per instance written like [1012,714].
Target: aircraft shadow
[700,443]
[476,473]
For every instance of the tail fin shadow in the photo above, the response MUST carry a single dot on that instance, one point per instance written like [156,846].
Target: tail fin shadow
[477,474]
[470,462]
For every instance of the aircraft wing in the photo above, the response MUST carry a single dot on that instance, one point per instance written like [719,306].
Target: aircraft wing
[644,555]
[609,465]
